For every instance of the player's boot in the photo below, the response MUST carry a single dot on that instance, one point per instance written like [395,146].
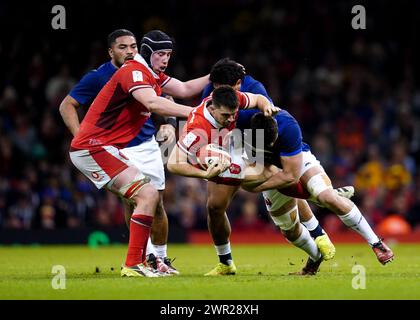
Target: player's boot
[172,269]
[139,270]
[382,252]
[310,269]
[157,264]
[346,192]
[222,270]
[326,247]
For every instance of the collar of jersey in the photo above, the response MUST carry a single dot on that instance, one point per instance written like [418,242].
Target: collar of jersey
[210,118]
[140,59]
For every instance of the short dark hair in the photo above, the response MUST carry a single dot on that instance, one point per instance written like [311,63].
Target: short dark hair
[226,71]
[268,124]
[225,96]
[112,37]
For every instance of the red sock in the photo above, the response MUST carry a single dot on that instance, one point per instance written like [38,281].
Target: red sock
[140,226]
[296,191]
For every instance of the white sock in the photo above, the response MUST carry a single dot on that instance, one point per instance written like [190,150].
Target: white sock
[355,220]
[223,249]
[160,250]
[307,244]
[150,248]
[311,224]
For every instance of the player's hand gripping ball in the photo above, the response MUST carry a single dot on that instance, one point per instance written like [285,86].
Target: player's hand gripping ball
[211,154]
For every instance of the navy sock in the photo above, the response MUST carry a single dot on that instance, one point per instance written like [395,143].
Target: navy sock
[318,231]
[224,258]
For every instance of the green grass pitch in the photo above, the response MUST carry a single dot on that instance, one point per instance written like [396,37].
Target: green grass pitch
[26,273]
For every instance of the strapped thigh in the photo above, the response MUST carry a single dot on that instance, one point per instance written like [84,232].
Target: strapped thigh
[130,189]
[318,183]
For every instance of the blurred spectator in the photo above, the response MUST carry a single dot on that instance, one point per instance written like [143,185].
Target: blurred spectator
[187,214]
[109,211]
[397,177]
[248,219]
[47,216]
[371,207]
[21,213]
[59,86]
[370,175]
[24,135]
[413,216]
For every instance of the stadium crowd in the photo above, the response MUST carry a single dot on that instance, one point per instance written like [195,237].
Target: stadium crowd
[354,93]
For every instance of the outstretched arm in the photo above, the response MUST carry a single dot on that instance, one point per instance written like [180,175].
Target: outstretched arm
[286,177]
[263,104]
[159,105]
[187,89]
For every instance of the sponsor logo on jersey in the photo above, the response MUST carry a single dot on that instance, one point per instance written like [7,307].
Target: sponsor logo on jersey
[96,176]
[234,168]
[94,142]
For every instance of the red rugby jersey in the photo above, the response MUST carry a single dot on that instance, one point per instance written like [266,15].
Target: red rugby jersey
[115,117]
[202,129]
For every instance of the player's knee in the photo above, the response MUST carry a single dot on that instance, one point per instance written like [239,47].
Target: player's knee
[215,206]
[148,193]
[215,214]
[287,221]
[329,198]
[217,218]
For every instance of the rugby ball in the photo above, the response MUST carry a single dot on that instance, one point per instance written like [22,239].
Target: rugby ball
[210,153]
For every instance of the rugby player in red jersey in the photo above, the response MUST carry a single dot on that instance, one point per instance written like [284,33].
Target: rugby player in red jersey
[115,117]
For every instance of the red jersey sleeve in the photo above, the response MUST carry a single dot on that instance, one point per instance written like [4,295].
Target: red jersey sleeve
[243,100]
[194,136]
[135,76]
[163,79]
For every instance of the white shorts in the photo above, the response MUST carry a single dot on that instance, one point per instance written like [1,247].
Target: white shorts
[309,161]
[148,158]
[274,200]
[100,165]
